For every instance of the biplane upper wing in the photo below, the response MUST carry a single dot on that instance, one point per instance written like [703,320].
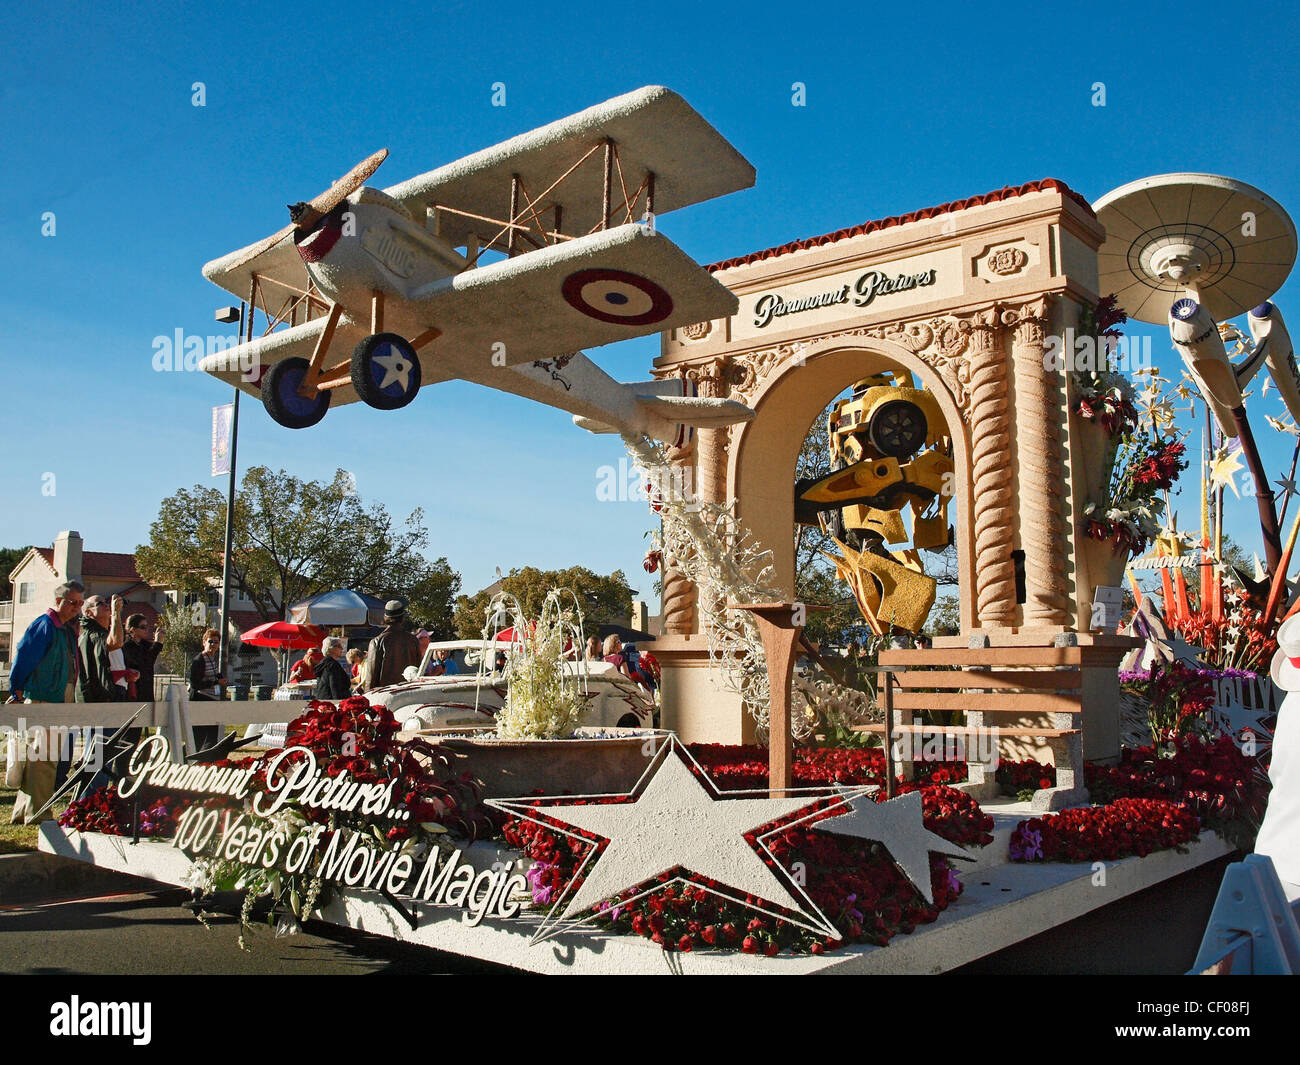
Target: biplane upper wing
[279,263]
[655,132]
[624,282]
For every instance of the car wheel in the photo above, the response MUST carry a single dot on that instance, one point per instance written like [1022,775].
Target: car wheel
[897,428]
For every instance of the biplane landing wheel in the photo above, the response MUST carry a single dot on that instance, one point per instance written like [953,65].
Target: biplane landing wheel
[897,429]
[385,371]
[282,401]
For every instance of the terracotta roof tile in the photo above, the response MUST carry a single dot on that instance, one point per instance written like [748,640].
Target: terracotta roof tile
[115,565]
[897,220]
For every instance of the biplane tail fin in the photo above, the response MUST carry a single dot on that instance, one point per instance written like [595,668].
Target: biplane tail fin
[671,417]
[696,411]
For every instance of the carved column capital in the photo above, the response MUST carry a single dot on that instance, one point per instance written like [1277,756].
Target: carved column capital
[712,377]
[1028,319]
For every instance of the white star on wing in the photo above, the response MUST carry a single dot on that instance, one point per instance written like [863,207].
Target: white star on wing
[396,369]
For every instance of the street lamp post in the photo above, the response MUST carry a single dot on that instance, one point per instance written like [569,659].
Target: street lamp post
[230,315]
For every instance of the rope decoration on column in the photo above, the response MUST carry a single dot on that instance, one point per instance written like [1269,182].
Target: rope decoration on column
[994,515]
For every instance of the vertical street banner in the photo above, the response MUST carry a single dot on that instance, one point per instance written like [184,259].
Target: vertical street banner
[222,420]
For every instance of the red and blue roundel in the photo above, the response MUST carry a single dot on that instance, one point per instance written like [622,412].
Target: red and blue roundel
[617,296]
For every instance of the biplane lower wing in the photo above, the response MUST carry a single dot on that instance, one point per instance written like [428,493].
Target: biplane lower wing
[244,366]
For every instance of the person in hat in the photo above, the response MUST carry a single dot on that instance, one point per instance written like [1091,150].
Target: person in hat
[1279,835]
[393,650]
[305,668]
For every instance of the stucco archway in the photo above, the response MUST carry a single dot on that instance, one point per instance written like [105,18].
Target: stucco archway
[763,455]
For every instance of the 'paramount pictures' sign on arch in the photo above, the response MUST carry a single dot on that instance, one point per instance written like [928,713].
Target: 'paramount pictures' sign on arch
[807,305]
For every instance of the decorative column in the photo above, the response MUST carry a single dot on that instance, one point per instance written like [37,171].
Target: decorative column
[1038,447]
[711,455]
[992,473]
[711,463]
[678,592]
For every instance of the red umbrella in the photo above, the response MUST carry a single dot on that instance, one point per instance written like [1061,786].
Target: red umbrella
[284,634]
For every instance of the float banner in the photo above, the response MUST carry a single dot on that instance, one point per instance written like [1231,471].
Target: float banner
[266,829]
[223,419]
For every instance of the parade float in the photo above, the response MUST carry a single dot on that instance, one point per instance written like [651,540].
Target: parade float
[985,412]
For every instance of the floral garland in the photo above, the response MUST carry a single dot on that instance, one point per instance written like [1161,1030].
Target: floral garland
[705,543]
[1103,395]
[1144,456]
[1104,833]
[745,767]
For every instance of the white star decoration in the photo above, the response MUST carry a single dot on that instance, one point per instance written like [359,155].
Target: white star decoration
[1223,465]
[396,369]
[897,825]
[677,822]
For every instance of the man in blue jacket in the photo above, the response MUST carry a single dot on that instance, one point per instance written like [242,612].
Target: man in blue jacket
[45,671]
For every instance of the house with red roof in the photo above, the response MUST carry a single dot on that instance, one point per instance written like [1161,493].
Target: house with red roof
[110,573]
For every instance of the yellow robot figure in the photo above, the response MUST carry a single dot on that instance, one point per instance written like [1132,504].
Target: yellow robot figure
[889,451]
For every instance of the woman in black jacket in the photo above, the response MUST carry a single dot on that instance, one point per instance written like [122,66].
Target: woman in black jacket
[205,684]
[333,682]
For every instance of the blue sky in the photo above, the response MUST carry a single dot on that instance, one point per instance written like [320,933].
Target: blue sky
[907,106]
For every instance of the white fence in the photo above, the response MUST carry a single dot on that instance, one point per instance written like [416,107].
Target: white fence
[175,714]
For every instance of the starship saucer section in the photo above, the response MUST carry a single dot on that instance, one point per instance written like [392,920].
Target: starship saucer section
[1222,237]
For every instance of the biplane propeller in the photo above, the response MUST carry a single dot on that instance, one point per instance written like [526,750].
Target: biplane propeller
[402,276]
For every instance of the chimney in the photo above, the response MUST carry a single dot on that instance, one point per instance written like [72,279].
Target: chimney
[67,556]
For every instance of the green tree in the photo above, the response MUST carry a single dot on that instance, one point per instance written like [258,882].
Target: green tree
[182,639]
[9,558]
[603,599]
[294,539]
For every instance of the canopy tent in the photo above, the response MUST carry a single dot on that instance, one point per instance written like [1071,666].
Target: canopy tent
[338,609]
[284,635]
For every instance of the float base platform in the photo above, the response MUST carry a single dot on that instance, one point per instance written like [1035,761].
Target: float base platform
[1002,904]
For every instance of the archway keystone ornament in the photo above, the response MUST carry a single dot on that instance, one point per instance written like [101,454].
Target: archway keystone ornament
[680,821]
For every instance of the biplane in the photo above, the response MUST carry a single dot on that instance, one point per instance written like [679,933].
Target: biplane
[497,269]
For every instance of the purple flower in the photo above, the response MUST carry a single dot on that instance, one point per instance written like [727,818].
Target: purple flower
[1026,844]
[542,893]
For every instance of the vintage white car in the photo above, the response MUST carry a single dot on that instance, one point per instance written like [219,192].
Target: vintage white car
[468,700]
